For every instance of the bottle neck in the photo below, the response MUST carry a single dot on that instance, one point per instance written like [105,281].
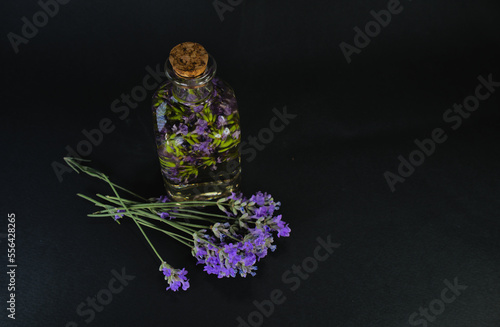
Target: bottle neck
[192,94]
[195,89]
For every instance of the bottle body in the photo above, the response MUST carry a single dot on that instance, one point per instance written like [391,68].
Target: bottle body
[197,131]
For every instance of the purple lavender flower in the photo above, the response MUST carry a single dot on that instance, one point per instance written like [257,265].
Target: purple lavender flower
[174,286]
[260,212]
[258,198]
[163,199]
[221,121]
[250,259]
[230,249]
[191,97]
[227,272]
[173,174]
[261,253]
[225,109]
[246,246]
[119,216]
[189,159]
[176,278]
[182,273]
[277,219]
[176,179]
[183,129]
[189,118]
[175,129]
[235,196]
[284,231]
[203,147]
[260,241]
[201,252]
[211,270]
[201,126]
[270,209]
[281,226]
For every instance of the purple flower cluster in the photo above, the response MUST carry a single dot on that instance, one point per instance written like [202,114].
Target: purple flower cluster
[226,259]
[227,249]
[176,278]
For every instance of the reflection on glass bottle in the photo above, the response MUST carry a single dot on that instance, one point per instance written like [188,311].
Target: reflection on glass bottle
[197,127]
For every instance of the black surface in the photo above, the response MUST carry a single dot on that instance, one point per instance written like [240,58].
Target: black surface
[326,167]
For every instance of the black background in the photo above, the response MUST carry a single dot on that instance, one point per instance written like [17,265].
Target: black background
[326,167]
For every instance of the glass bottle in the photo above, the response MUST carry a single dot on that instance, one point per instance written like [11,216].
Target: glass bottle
[197,127]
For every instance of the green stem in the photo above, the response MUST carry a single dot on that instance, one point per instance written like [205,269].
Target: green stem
[166,221]
[97,203]
[176,237]
[207,214]
[187,216]
[191,225]
[133,217]
[234,238]
[72,162]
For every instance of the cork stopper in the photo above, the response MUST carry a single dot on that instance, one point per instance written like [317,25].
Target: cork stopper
[188,59]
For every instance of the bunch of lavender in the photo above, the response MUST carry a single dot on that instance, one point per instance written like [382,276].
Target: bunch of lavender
[228,241]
